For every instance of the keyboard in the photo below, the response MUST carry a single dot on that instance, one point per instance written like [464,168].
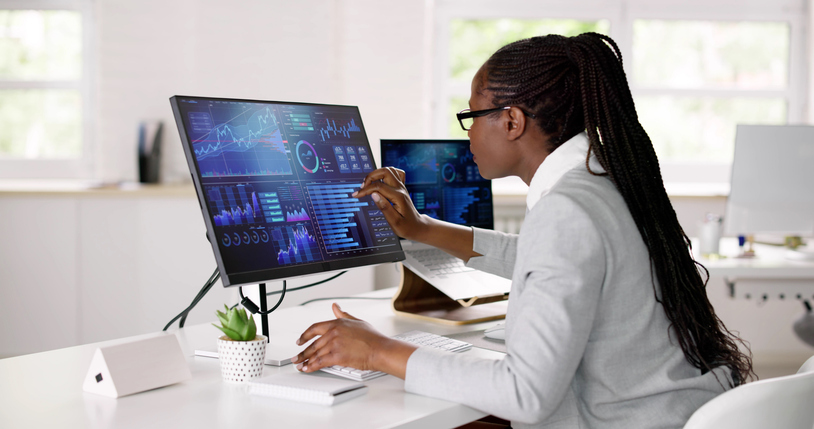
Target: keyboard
[438,262]
[418,338]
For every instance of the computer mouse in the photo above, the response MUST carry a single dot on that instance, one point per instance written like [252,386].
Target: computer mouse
[497,332]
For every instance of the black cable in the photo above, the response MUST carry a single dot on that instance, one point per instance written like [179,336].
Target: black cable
[206,287]
[252,307]
[244,300]
[340,297]
[308,285]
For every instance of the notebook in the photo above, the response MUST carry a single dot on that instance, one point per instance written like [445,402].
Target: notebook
[444,183]
[311,388]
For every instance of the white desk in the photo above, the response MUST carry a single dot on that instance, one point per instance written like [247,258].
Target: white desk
[768,275]
[44,390]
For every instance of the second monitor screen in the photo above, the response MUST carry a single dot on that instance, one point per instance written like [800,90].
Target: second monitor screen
[443,180]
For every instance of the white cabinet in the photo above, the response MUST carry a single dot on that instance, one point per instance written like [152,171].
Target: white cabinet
[38,274]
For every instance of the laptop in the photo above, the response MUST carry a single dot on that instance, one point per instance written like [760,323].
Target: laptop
[445,183]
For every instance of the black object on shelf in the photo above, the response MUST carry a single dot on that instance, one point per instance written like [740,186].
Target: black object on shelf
[149,151]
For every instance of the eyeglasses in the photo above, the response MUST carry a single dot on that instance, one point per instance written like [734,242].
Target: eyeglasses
[467,116]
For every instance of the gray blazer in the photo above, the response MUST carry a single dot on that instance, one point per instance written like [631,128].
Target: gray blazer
[588,345]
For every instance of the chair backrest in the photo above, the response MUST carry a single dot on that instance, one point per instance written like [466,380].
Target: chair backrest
[781,402]
[808,366]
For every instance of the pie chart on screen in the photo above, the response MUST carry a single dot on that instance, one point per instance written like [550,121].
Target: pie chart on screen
[307,156]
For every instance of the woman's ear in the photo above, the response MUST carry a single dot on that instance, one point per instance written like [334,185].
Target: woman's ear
[516,124]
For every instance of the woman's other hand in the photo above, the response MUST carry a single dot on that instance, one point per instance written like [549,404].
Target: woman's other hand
[348,341]
[386,187]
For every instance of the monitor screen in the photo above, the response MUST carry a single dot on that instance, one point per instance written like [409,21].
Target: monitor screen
[443,180]
[274,180]
[771,181]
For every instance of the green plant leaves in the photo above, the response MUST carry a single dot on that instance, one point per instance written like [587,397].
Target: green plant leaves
[236,324]
[229,333]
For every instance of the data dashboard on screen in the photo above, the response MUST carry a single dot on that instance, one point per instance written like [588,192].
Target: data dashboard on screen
[443,180]
[275,179]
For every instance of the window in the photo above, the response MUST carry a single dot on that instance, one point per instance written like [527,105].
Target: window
[696,68]
[472,41]
[708,76]
[44,126]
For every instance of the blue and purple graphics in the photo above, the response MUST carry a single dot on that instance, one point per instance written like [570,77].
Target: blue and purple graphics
[239,141]
[234,205]
[443,180]
[296,245]
[329,129]
[417,160]
[344,222]
[296,216]
[275,181]
[307,156]
[353,159]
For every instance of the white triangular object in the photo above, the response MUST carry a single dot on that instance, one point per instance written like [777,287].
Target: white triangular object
[98,379]
[136,366]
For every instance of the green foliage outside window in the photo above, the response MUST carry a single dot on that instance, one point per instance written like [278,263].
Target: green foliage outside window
[41,64]
[40,45]
[473,41]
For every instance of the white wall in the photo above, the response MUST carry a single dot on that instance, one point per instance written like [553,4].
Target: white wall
[359,52]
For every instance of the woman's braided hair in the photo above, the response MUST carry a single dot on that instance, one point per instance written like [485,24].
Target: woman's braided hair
[575,84]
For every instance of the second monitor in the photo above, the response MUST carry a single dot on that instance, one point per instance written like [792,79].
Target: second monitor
[443,180]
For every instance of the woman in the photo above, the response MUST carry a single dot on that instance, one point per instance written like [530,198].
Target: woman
[608,323]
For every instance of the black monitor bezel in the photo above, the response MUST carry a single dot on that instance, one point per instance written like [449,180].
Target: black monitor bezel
[260,276]
[382,143]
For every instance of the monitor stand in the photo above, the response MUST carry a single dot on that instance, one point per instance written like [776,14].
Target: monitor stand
[418,299]
[264,317]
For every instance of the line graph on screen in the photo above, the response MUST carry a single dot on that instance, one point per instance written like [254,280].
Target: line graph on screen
[246,142]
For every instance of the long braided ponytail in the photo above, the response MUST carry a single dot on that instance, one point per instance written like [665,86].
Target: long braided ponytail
[576,84]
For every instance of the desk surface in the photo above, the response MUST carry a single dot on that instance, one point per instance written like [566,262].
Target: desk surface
[769,263]
[45,389]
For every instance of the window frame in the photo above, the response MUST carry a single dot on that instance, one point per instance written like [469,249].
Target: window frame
[622,14]
[80,167]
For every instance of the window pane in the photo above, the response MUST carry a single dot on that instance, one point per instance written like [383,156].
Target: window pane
[40,45]
[703,129]
[40,123]
[472,42]
[706,54]
[456,104]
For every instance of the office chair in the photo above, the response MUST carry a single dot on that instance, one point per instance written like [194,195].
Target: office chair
[808,366]
[781,402]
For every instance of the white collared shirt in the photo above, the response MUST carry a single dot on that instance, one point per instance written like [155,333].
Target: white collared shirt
[569,155]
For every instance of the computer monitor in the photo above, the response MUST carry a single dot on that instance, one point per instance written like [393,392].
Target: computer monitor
[274,181]
[443,180]
[772,178]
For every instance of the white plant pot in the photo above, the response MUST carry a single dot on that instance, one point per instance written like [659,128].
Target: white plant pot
[240,361]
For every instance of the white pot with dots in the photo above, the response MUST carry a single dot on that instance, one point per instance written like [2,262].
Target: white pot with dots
[241,361]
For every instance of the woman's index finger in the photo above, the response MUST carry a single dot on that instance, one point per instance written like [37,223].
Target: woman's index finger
[384,174]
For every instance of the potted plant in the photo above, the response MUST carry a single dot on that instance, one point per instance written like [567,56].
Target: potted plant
[241,351]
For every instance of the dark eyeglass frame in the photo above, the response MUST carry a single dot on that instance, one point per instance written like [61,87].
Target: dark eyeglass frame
[468,113]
